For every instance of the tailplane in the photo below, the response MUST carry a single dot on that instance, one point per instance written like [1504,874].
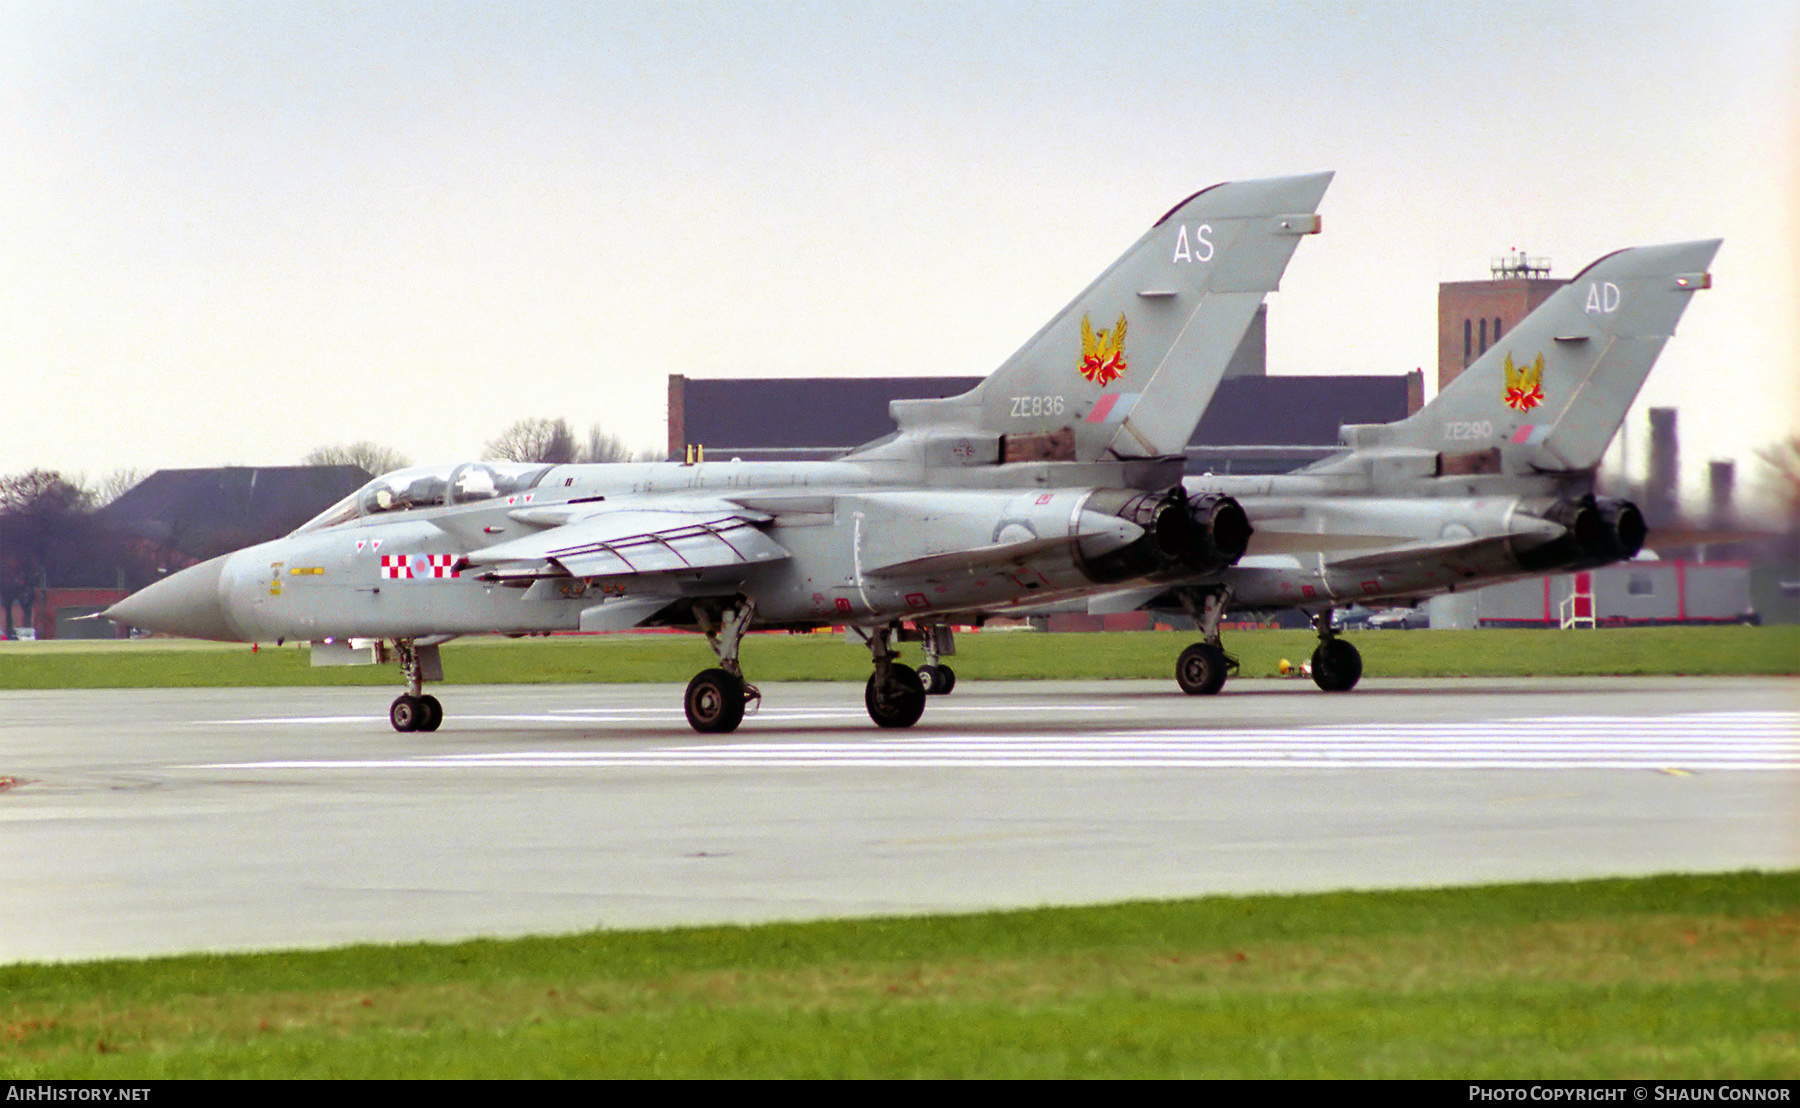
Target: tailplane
[1550,394]
[1127,368]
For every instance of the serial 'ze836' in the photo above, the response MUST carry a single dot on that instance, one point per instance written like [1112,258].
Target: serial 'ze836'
[1057,480]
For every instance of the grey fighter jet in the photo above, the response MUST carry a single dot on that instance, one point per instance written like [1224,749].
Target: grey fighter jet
[1058,475]
[1491,481]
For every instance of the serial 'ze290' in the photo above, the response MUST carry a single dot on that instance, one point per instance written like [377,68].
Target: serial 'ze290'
[1059,478]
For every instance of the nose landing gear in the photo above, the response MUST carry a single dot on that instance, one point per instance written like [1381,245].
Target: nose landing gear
[414,710]
[939,642]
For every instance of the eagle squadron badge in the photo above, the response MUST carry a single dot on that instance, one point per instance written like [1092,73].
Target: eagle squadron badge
[1102,352]
[1524,386]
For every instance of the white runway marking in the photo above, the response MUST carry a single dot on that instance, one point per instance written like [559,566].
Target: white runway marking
[1699,741]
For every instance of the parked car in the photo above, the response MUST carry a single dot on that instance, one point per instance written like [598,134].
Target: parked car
[1399,619]
[1354,618]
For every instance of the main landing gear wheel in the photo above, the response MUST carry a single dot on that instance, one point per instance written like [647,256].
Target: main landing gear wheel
[937,680]
[1201,669]
[1336,666]
[715,702]
[897,702]
[415,713]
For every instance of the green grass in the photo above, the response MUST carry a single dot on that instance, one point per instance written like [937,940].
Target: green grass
[991,655]
[1669,977]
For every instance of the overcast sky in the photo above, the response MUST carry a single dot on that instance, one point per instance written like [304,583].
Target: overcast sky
[237,231]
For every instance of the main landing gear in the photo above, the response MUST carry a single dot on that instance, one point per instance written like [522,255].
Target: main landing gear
[413,710]
[895,695]
[1202,668]
[1336,665]
[717,699]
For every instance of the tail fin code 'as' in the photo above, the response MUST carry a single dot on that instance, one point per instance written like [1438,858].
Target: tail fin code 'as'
[1127,368]
[1551,394]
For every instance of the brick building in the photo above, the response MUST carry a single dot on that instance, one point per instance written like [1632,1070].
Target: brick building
[1472,315]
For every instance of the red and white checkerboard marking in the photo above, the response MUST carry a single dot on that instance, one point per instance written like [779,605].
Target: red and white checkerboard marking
[408,567]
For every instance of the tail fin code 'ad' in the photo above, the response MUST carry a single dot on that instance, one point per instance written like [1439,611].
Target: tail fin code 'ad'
[1552,393]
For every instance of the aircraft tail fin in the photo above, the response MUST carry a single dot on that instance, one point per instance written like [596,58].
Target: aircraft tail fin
[1125,370]
[1551,393]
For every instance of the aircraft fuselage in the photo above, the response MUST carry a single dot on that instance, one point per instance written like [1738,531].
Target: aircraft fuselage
[848,546]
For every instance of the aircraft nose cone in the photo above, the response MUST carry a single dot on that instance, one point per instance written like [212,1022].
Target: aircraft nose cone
[187,604]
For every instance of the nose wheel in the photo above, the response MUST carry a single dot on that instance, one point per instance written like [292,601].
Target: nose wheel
[414,710]
[415,713]
[939,643]
[937,680]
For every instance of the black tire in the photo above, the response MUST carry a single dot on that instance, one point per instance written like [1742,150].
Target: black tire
[714,702]
[937,680]
[432,713]
[900,701]
[1336,666]
[406,713]
[1201,669]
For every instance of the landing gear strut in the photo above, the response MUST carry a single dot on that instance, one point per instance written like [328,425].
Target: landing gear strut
[937,678]
[1336,665]
[413,710]
[1202,668]
[717,699]
[895,695]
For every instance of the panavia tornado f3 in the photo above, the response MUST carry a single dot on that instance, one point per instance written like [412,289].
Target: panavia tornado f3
[1058,476]
[1493,480]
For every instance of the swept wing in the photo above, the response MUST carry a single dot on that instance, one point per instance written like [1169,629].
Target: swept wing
[632,538]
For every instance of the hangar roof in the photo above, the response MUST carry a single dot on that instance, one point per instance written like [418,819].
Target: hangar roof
[1285,420]
[202,512]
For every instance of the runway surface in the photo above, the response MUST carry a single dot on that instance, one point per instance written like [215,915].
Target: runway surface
[140,822]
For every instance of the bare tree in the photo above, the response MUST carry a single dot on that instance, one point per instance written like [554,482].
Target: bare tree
[1781,473]
[535,440]
[47,532]
[112,486]
[1782,460]
[602,446]
[373,458]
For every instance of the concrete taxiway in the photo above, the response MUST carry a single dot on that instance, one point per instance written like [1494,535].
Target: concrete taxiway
[137,822]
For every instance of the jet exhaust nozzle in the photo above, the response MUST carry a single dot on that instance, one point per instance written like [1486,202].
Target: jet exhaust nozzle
[1625,526]
[1597,532]
[1222,529]
[1201,535]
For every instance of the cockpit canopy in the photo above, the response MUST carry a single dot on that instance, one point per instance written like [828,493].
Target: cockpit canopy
[405,490]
